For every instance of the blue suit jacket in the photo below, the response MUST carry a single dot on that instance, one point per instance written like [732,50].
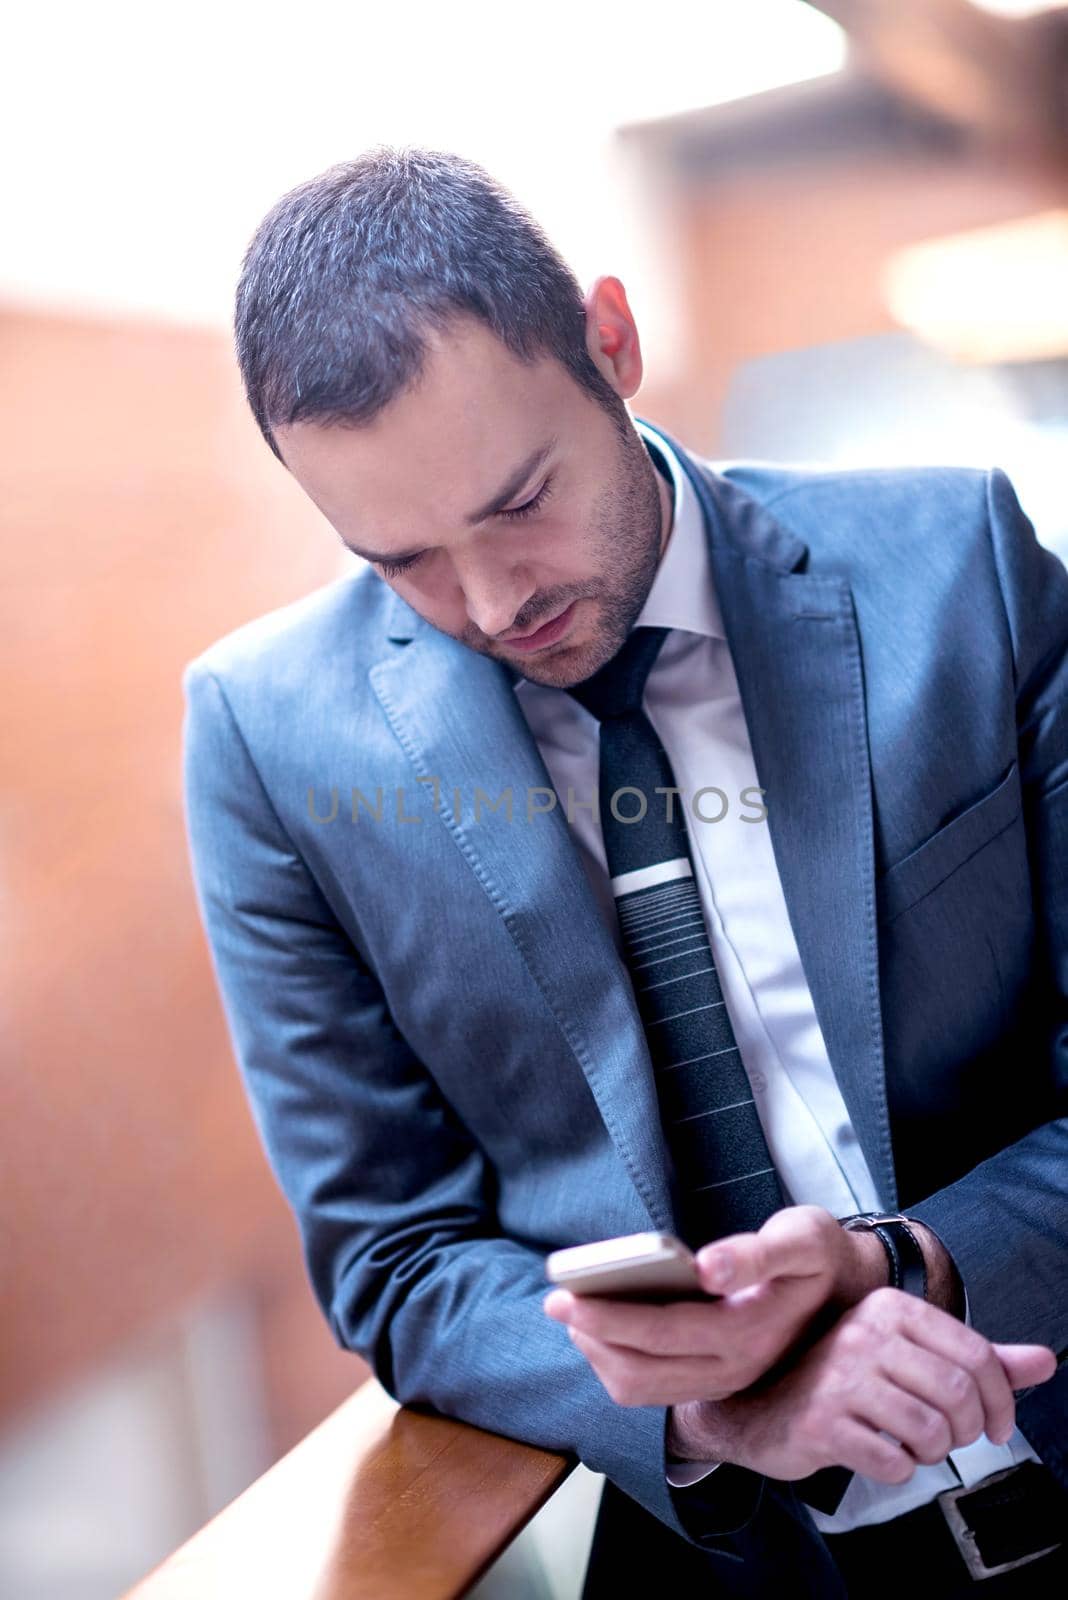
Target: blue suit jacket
[437,1036]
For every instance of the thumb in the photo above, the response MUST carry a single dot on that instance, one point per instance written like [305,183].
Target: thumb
[1026,1364]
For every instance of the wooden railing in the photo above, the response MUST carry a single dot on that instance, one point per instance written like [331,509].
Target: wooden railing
[377,1503]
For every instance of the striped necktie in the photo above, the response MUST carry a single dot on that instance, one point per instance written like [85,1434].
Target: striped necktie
[726,1180]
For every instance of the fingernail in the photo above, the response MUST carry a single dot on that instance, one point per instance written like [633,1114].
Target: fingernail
[720,1269]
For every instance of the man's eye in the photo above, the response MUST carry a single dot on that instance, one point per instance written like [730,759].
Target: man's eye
[532,505]
[393,569]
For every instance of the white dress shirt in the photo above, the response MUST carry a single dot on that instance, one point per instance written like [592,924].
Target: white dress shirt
[693,702]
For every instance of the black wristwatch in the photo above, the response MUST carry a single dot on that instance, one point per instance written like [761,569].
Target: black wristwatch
[908,1270]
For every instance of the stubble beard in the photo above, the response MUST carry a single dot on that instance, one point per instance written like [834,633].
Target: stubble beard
[629,524]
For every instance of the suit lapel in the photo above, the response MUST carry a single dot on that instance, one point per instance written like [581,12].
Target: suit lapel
[796,652]
[456,716]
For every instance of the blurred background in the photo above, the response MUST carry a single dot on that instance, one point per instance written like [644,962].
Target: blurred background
[844,234]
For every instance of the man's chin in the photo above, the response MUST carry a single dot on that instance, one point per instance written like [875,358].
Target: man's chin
[557,671]
[568,663]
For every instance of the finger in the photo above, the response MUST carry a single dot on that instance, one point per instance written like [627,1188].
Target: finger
[633,1378]
[935,1330]
[945,1385]
[857,1445]
[795,1242]
[1025,1364]
[679,1328]
[923,1429]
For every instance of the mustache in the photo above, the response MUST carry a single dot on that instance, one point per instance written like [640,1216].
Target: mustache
[549,605]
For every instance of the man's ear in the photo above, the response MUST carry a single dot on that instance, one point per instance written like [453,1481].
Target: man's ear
[612,335]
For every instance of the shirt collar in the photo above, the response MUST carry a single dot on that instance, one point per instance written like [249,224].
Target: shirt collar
[683,594]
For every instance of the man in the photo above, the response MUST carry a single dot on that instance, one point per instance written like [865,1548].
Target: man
[837,701]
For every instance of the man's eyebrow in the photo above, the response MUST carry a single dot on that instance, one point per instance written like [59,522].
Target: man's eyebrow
[496,502]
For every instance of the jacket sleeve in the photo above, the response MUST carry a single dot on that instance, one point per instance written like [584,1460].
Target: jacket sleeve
[393,1199]
[1006,1222]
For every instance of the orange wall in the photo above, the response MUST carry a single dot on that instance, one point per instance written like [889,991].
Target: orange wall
[141,516]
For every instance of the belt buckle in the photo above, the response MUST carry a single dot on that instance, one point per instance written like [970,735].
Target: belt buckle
[965,1539]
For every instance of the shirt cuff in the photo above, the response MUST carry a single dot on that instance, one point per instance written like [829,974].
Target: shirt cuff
[681,1474]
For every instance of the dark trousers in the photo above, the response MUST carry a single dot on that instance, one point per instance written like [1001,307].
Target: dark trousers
[777,1554]
[780,1553]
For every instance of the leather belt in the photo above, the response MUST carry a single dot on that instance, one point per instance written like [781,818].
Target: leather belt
[1007,1520]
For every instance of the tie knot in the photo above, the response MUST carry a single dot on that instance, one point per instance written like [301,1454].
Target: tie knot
[616,689]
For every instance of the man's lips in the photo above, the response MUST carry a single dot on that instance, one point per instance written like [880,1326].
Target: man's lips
[546,634]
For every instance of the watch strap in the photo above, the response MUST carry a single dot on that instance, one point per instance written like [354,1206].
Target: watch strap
[907,1268]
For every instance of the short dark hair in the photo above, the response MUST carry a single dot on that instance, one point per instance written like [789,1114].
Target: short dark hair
[348,272]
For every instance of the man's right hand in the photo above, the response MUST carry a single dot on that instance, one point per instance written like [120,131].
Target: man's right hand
[893,1364]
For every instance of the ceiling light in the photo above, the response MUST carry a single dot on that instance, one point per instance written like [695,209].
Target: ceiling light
[992,294]
[1019,8]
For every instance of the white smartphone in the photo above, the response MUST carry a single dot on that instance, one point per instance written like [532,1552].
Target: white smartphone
[637,1266]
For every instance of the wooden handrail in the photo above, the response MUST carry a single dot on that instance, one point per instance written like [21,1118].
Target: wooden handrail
[377,1503]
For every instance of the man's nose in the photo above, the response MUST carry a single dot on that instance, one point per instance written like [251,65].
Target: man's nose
[494,598]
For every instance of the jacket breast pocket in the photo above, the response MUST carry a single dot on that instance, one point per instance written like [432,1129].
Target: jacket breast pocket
[949,847]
